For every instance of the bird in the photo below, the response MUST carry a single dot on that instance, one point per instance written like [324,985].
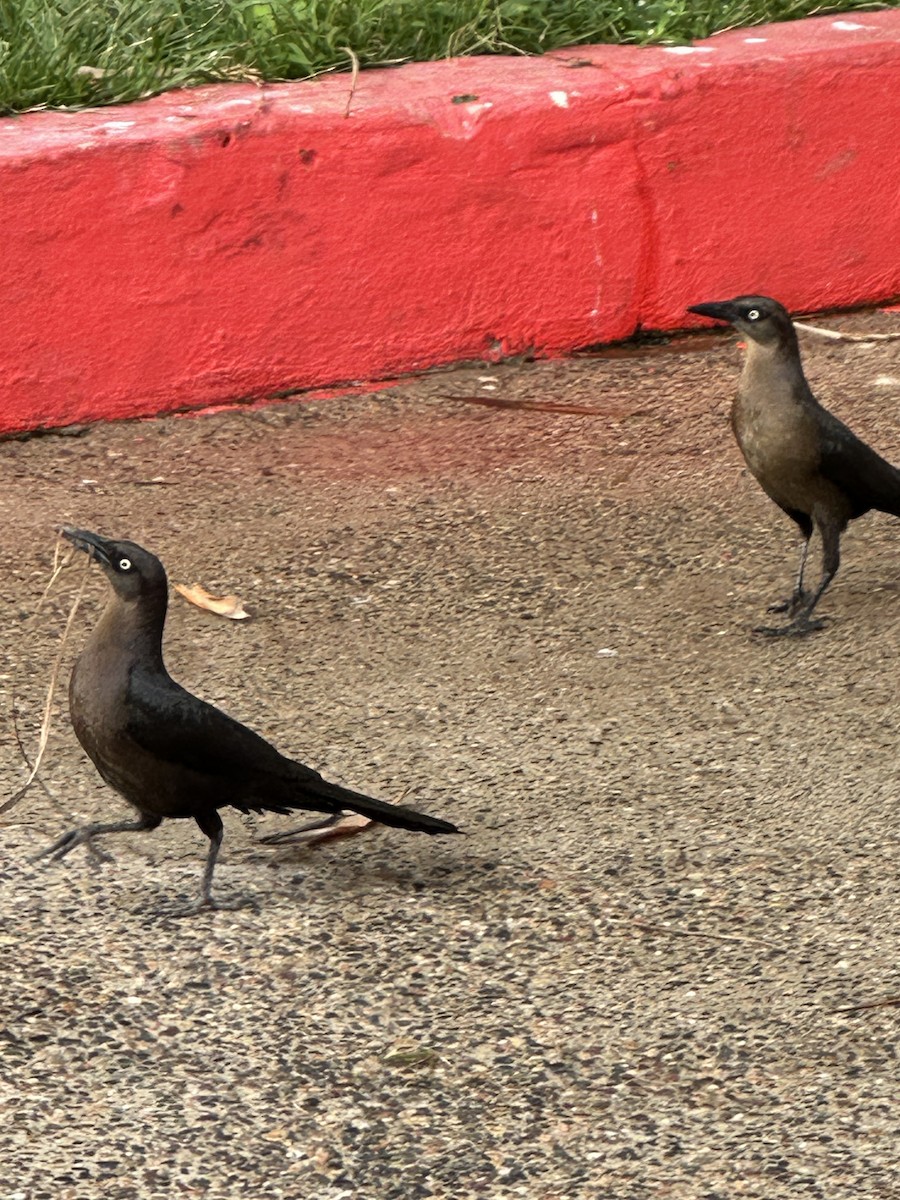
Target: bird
[166,751]
[815,469]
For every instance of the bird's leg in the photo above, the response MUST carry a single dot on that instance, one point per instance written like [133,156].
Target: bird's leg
[798,597]
[211,824]
[831,560]
[84,836]
[290,835]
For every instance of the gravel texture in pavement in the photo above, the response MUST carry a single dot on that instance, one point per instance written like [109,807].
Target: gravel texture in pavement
[682,848]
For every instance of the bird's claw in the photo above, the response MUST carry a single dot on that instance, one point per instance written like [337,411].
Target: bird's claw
[207,904]
[68,842]
[287,836]
[59,849]
[792,605]
[98,856]
[798,628]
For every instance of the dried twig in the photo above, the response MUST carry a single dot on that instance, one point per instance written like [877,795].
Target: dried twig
[551,406]
[353,78]
[29,765]
[887,1002]
[60,562]
[835,335]
[58,565]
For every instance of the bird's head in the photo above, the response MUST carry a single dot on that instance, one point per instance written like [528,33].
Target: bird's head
[132,571]
[759,318]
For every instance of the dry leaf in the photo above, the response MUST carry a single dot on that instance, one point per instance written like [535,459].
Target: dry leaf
[347,824]
[409,1054]
[222,606]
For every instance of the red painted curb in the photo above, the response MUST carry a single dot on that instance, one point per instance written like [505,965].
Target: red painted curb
[236,241]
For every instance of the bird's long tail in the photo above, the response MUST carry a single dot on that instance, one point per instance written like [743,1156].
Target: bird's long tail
[395,814]
[888,499]
[321,795]
[875,481]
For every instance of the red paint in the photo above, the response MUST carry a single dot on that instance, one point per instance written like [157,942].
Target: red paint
[235,241]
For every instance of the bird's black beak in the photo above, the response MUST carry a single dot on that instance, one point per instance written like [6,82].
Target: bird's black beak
[719,310]
[94,545]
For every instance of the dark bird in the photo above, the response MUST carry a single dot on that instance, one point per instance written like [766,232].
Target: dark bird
[168,753]
[806,460]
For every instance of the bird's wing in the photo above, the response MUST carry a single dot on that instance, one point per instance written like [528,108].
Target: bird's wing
[861,474]
[178,727]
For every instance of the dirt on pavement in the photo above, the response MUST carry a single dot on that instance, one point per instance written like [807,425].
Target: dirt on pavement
[681,853]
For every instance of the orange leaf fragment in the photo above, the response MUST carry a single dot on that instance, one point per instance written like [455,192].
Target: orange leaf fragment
[349,825]
[222,606]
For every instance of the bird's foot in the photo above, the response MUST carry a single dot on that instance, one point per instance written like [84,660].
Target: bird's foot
[792,605]
[69,841]
[208,904]
[97,856]
[299,835]
[797,628]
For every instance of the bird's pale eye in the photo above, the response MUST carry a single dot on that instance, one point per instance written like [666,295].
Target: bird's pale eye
[124,564]
[753,314]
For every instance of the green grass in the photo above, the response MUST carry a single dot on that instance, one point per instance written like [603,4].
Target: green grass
[67,53]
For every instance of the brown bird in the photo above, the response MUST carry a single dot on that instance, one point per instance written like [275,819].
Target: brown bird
[806,460]
[168,753]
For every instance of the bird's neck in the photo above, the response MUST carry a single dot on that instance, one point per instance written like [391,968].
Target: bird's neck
[775,365]
[134,628]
